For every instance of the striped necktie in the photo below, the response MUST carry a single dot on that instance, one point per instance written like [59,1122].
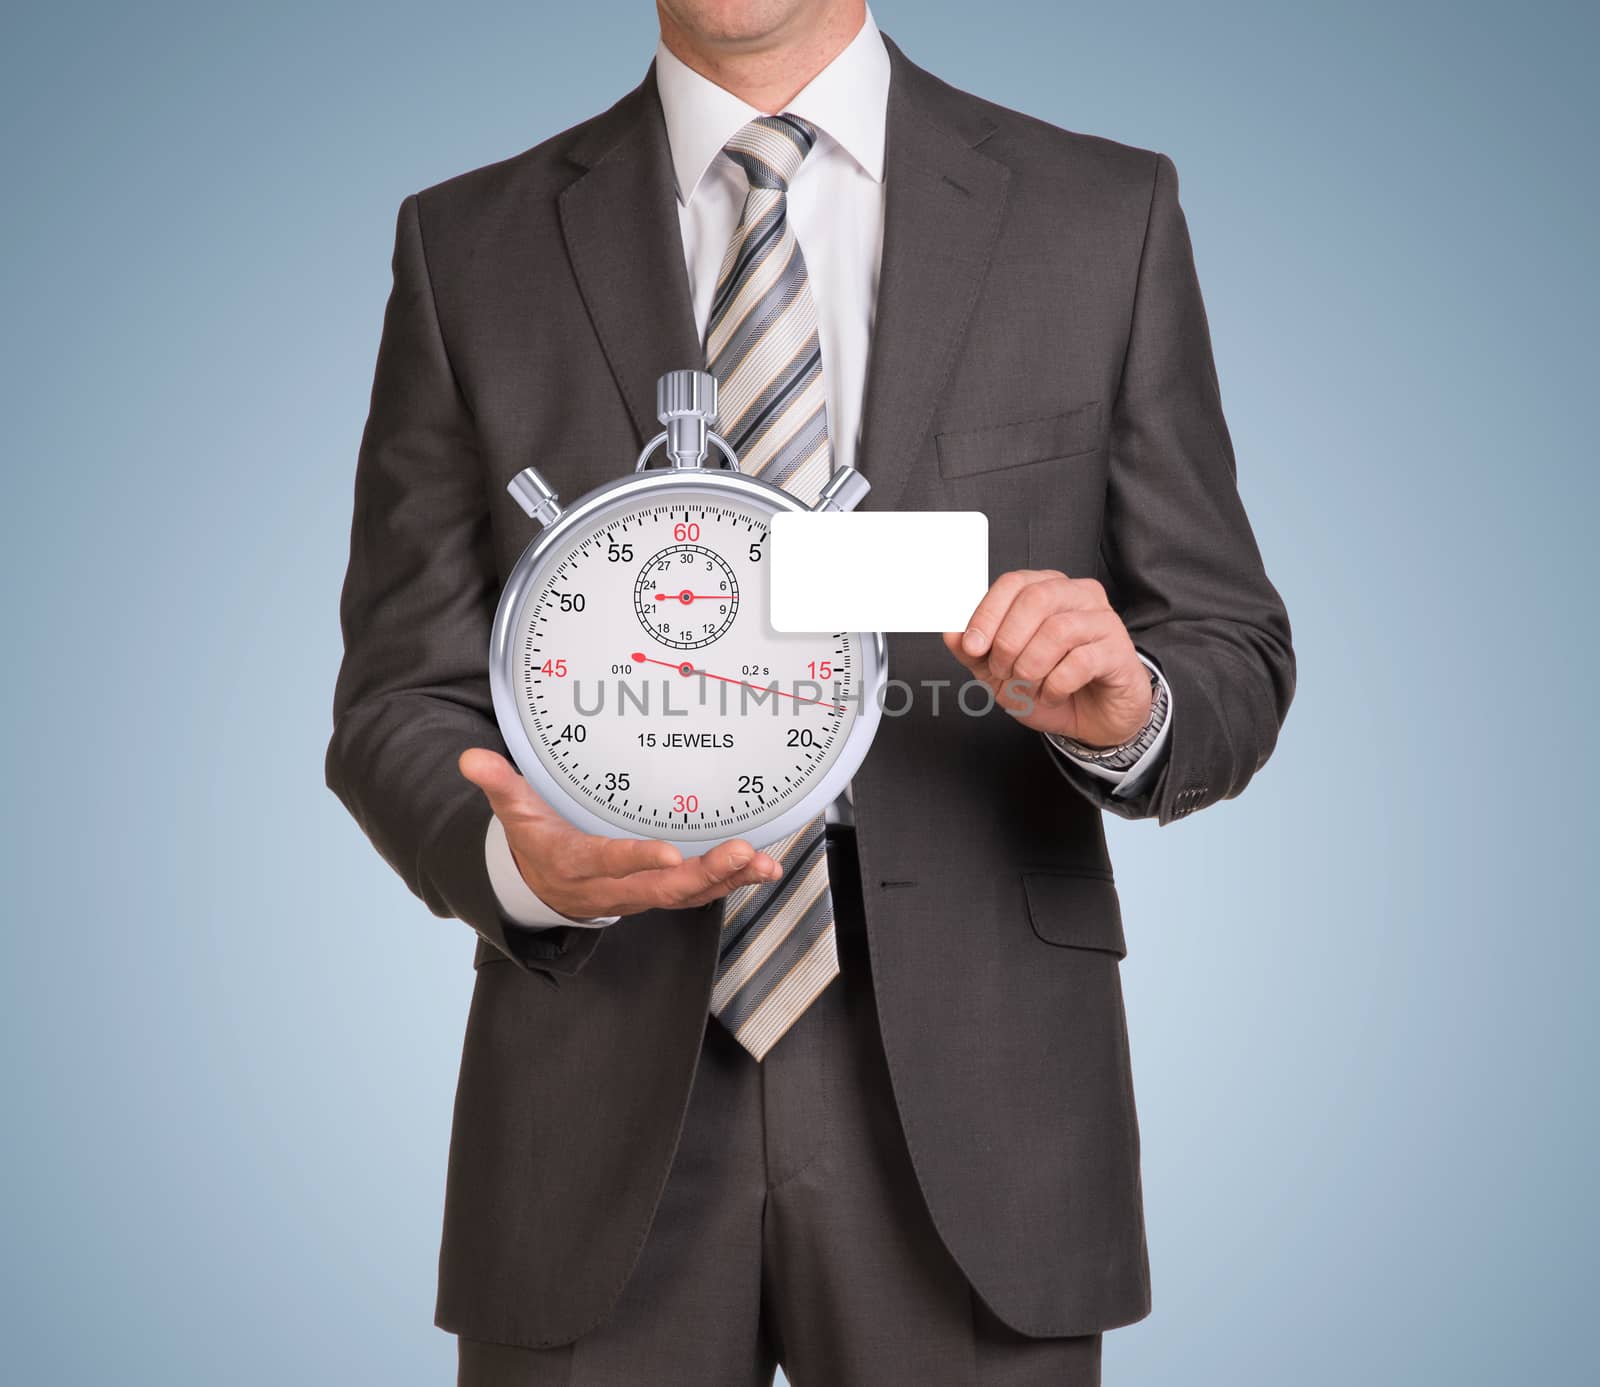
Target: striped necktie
[777,948]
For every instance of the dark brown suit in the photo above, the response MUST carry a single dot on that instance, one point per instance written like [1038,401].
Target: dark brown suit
[1041,353]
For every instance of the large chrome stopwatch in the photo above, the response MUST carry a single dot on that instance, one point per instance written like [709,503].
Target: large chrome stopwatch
[637,679]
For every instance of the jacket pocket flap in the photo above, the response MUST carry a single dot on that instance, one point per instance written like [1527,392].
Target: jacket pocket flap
[963,452]
[1078,910]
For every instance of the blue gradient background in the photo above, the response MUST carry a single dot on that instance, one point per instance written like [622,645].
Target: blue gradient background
[1362,996]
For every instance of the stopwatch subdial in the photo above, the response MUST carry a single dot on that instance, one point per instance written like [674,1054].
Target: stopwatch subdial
[686,596]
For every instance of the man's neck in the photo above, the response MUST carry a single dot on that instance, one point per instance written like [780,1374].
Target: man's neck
[770,71]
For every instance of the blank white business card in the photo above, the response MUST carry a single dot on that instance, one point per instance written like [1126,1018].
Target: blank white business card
[878,570]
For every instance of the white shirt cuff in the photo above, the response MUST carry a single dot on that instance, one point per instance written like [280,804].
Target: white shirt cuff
[1128,780]
[519,901]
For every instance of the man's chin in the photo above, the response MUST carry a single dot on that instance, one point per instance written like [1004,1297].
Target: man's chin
[737,24]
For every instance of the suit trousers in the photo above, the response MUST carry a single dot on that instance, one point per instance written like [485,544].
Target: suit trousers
[792,1231]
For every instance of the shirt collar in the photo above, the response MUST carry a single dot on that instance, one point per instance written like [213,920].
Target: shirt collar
[848,101]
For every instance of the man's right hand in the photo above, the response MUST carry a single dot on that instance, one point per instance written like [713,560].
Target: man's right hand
[581,875]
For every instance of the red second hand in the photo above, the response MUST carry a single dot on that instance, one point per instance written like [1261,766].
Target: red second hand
[686,668]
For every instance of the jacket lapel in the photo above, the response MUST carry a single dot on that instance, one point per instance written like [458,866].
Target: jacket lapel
[944,201]
[620,222]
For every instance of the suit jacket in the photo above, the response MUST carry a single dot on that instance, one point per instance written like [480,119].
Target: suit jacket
[1040,353]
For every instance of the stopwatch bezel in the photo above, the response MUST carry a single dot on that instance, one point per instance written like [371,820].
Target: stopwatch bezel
[526,573]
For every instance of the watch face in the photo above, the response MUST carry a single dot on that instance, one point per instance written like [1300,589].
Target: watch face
[650,685]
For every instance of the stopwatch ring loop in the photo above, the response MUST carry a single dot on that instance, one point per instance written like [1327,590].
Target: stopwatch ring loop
[722,444]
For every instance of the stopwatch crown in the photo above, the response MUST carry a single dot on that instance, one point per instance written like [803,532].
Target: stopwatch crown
[681,393]
[686,402]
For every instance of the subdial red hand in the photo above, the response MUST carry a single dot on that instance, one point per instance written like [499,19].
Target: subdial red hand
[687,669]
[686,597]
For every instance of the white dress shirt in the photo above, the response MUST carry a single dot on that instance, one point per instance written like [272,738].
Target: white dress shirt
[835,205]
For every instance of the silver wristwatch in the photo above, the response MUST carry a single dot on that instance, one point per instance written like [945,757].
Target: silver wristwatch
[1126,754]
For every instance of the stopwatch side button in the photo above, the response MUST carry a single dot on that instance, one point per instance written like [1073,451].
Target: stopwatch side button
[535,495]
[845,490]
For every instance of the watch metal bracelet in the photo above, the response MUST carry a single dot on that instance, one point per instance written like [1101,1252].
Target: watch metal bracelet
[1121,757]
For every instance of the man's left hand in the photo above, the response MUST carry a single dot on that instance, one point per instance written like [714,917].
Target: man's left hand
[1057,657]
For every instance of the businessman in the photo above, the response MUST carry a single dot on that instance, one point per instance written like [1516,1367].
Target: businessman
[915,1159]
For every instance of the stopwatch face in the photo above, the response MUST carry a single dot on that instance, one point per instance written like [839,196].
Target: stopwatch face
[652,688]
